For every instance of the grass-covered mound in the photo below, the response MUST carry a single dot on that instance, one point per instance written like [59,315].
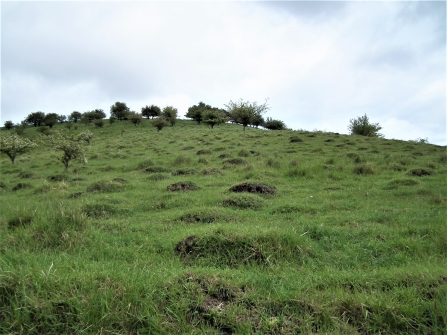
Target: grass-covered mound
[193,230]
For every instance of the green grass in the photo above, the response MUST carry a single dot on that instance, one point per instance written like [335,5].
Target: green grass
[194,230]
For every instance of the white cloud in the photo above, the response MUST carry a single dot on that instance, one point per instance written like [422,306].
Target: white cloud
[320,63]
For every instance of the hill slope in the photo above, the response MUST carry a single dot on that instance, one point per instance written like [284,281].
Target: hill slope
[220,231]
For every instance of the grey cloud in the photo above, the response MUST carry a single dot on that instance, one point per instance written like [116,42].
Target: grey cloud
[309,10]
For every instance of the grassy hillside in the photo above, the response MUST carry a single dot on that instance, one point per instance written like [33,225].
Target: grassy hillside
[157,234]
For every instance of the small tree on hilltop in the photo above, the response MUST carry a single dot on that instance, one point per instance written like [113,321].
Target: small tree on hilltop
[150,111]
[214,117]
[135,118]
[75,116]
[8,124]
[243,112]
[170,114]
[14,145]
[196,112]
[50,119]
[362,126]
[272,124]
[36,119]
[159,123]
[119,110]
[71,147]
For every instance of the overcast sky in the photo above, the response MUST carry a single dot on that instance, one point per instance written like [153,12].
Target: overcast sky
[319,63]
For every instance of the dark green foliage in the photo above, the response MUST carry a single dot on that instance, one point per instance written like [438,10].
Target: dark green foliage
[204,152]
[36,119]
[170,114]
[151,111]
[8,124]
[119,110]
[184,172]
[362,126]
[57,178]
[211,171]
[254,188]
[420,172]
[207,216]
[51,119]
[99,123]
[245,112]
[235,161]
[195,112]
[135,118]
[105,187]
[182,186]
[155,169]
[99,211]
[21,186]
[364,169]
[25,175]
[295,139]
[20,221]
[272,124]
[75,116]
[158,176]
[243,202]
[159,123]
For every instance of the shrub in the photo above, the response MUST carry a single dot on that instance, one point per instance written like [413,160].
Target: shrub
[243,202]
[362,126]
[8,124]
[364,169]
[14,145]
[99,123]
[272,124]
[159,123]
[182,186]
[253,188]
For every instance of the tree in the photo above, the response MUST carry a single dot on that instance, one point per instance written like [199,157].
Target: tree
[71,146]
[119,110]
[36,119]
[8,124]
[362,126]
[135,118]
[50,119]
[151,111]
[257,120]
[75,116]
[170,114]
[14,145]
[272,124]
[213,117]
[159,123]
[61,118]
[243,112]
[195,112]
[90,116]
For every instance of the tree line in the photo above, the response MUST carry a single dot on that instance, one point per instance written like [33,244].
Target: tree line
[240,112]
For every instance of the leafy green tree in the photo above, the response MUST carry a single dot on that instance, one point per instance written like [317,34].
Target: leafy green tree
[159,123]
[214,117]
[170,114]
[50,119]
[61,118]
[244,112]
[195,112]
[150,111]
[119,110]
[71,146]
[362,126]
[36,119]
[14,145]
[272,124]
[257,120]
[90,116]
[75,116]
[8,124]
[135,118]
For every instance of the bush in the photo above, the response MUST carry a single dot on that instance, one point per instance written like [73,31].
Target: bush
[274,124]
[8,124]
[362,126]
